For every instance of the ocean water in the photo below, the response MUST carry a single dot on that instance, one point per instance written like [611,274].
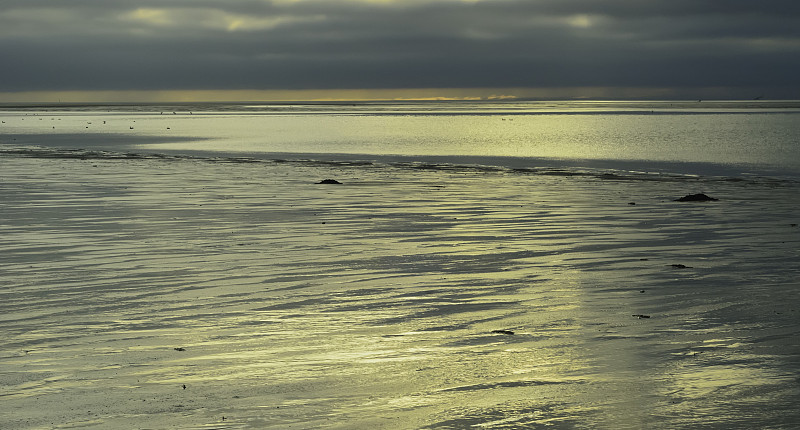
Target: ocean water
[680,137]
[506,265]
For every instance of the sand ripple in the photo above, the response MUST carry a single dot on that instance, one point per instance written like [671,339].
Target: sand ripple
[375,303]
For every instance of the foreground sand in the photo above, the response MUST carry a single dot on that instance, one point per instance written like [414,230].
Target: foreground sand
[198,293]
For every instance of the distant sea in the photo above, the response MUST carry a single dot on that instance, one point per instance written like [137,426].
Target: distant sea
[728,138]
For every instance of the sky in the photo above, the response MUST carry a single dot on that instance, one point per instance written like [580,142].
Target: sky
[184,50]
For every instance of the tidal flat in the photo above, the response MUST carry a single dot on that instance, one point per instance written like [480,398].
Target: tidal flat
[146,289]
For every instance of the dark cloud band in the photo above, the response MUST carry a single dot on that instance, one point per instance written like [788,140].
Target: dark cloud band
[181,44]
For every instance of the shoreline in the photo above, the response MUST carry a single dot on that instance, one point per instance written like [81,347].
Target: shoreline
[110,147]
[684,143]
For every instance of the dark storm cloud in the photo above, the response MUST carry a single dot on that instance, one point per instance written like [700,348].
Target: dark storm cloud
[205,44]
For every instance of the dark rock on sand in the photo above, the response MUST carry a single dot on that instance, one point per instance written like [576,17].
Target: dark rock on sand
[696,198]
[329,181]
[502,332]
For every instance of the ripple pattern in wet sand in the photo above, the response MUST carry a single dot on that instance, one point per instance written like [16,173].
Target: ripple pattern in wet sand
[156,292]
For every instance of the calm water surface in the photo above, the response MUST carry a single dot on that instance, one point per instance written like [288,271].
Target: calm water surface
[742,136]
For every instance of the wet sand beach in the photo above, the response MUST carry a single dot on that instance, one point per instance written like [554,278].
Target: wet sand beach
[154,290]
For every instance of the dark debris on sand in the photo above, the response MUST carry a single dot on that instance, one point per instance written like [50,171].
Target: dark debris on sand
[696,198]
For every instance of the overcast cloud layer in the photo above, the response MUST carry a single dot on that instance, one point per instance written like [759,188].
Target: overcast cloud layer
[317,44]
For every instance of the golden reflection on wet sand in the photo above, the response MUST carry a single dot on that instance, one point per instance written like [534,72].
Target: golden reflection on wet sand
[389,301]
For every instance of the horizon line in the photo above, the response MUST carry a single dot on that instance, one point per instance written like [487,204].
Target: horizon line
[385,95]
